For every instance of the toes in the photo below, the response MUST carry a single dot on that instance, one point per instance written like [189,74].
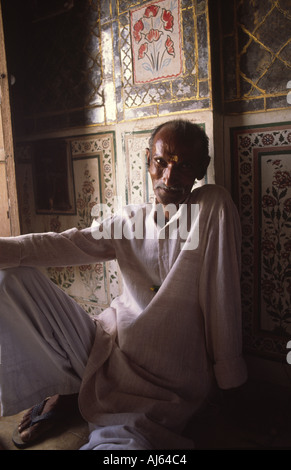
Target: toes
[27,432]
[24,423]
[26,435]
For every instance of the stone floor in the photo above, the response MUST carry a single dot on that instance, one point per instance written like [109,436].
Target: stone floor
[68,436]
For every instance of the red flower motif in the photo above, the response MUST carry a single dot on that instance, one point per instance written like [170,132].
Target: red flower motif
[246,199]
[98,268]
[245,141]
[138,27]
[170,46]
[268,139]
[245,168]
[268,201]
[153,35]
[276,162]
[81,203]
[85,267]
[167,19]
[142,50]
[282,179]
[88,187]
[151,11]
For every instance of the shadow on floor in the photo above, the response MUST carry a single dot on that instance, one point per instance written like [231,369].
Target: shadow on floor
[262,421]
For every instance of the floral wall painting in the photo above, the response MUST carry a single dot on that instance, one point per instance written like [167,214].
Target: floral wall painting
[139,187]
[262,192]
[274,220]
[156,41]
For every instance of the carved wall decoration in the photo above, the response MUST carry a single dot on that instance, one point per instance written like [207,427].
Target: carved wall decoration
[262,190]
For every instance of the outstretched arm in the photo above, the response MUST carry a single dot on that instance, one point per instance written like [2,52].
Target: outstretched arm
[69,248]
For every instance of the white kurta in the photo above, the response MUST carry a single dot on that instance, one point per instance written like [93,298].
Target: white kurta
[156,356]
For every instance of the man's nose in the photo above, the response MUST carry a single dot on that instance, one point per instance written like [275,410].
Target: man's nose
[170,175]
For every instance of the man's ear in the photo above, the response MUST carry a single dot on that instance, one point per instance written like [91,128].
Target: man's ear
[203,168]
[148,155]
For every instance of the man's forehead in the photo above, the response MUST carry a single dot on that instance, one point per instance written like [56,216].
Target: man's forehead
[173,145]
[170,134]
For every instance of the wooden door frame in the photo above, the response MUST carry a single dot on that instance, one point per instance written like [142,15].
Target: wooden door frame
[8,156]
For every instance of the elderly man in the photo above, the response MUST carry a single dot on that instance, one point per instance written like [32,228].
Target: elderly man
[149,362]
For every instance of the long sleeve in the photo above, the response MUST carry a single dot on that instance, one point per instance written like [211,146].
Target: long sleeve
[220,298]
[69,248]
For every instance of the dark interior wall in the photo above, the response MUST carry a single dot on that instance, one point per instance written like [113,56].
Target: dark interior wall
[56,61]
[256,54]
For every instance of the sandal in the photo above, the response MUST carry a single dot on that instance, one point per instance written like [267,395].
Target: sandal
[48,420]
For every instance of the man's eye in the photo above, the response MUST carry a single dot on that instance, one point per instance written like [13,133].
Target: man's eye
[161,162]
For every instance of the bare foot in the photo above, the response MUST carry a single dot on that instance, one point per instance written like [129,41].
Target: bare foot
[62,406]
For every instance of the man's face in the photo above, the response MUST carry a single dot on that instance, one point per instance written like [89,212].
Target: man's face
[174,166]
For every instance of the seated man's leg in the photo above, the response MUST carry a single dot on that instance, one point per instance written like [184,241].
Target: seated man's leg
[45,339]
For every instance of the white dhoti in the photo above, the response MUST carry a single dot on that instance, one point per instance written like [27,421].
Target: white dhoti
[45,339]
